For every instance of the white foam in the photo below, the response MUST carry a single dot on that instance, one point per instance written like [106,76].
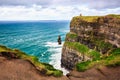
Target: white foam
[56,56]
[64,30]
[53,44]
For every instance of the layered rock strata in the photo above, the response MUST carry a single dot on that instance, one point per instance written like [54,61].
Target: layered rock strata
[100,33]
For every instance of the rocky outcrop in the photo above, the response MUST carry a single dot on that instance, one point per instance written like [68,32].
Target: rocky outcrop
[99,33]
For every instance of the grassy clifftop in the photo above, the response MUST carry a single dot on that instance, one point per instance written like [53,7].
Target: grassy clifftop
[86,20]
[44,68]
[97,37]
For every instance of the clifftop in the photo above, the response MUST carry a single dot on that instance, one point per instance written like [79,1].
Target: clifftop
[94,18]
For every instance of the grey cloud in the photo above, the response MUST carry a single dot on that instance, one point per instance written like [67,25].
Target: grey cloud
[24,2]
[95,4]
[104,4]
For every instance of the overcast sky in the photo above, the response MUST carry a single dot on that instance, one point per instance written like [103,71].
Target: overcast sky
[55,9]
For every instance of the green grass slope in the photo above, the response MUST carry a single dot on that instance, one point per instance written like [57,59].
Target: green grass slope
[44,68]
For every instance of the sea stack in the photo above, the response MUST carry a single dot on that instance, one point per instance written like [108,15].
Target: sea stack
[59,40]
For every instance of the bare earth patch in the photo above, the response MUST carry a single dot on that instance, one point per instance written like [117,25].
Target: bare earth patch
[18,69]
[102,73]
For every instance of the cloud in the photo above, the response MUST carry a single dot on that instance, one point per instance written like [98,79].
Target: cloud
[55,9]
[99,4]
[24,2]
[35,13]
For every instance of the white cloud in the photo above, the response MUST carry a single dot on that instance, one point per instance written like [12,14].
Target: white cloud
[38,12]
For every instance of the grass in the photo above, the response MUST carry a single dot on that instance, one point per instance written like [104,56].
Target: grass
[99,42]
[83,49]
[87,18]
[44,68]
[78,21]
[97,59]
[113,15]
[77,46]
[71,35]
[112,60]
[82,66]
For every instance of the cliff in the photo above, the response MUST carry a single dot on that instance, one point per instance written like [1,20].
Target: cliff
[17,65]
[93,41]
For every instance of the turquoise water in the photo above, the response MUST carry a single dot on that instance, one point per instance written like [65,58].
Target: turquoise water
[35,38]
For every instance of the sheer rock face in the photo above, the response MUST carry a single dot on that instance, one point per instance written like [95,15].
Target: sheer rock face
[102,34]
[71,57]
[104,28]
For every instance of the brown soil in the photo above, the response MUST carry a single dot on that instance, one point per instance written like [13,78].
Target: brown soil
[18,69]
[102,73]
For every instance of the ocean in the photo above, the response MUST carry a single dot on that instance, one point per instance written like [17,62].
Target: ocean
[38,38]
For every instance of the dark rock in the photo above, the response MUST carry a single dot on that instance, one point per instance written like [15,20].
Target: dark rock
[59,40]
[70,57]
[8,55]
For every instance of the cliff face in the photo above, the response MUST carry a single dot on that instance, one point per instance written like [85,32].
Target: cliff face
[105,28]
[90,37]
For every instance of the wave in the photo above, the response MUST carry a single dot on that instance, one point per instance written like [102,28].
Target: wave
[56,49]
[64,30]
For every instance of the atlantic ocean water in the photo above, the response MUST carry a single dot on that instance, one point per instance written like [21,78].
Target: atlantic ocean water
[38,38]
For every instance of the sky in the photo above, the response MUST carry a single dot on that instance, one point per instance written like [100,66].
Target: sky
[55,9]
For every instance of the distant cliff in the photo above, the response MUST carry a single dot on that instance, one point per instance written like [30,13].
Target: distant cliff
[92,39]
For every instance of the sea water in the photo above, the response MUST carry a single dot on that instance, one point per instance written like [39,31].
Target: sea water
[38,38]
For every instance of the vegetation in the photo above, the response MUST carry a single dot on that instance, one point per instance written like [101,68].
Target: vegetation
[112,60]
[89,18]
[83,49]
[100,44]
[44,68]
[113,15]
[110,56]
[85,20]
[71,35]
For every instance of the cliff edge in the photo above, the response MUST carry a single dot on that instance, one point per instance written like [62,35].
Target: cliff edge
[17,65]
[93,42]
